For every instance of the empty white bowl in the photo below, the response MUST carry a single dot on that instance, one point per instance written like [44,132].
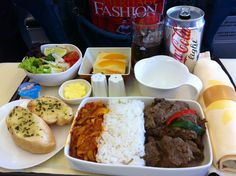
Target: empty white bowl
[75,100]
[56,79]
[165,77]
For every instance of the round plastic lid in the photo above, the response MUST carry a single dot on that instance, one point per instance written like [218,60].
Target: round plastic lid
[29,90]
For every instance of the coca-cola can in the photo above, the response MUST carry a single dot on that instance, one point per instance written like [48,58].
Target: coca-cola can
[183,34]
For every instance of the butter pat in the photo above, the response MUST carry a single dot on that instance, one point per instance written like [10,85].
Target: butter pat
[74,90]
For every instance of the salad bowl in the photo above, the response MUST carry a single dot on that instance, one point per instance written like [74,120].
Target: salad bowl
[55,78]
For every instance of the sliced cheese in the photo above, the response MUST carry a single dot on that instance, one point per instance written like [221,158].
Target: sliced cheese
[110,63]
[116,56]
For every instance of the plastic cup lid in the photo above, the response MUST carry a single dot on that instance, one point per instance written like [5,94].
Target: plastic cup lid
[29,90]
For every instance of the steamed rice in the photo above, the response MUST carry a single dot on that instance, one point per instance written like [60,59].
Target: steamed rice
[122,141]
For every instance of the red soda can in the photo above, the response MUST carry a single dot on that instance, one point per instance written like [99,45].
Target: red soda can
[183,34]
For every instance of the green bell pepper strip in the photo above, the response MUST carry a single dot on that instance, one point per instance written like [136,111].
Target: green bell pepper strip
[188,125]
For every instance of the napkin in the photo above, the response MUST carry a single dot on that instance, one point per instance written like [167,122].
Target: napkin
[216,83]
[211,73]
[221,119]
[217,99]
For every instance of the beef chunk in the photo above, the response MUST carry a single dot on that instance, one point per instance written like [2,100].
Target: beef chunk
[161,131]
[158,132]
[176,151]
[185,134]
[161,110]
[167,146]
[176,107]
[197,153]
[152,155]
[158,111]
[150,122]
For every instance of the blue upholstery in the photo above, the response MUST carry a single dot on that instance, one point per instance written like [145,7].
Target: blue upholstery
[46,14]
[61,25]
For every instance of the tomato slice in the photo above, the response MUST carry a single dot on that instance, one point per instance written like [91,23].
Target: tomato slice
[71,57]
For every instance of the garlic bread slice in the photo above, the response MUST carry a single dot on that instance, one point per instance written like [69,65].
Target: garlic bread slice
[51,110]
[29,131]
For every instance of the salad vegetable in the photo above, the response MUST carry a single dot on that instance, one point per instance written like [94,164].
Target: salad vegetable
[41,65]
[72,57]
[34,65]
[49,58]
[55,59]
[58,50]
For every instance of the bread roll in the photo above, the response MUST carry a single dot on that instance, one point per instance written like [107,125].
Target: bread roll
[51,110]
[29,131]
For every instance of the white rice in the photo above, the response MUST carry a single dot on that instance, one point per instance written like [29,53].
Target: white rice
[122,141]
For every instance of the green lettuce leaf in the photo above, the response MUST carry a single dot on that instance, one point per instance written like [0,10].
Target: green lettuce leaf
[34,65]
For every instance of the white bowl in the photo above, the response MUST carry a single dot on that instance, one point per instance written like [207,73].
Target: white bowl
[165,77]
[91,55]
[76,100]
[112,169]
[55,79]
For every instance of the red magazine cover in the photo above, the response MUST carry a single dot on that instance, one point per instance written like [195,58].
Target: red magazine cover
[115,15]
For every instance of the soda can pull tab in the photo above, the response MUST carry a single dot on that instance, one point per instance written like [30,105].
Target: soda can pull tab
[185,13]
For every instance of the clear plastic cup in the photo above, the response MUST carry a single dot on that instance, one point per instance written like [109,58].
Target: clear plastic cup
[147,35]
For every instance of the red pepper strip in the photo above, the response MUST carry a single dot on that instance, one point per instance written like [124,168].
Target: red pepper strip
[179,114]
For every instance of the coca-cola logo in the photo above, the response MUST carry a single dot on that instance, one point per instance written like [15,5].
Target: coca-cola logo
[180,40]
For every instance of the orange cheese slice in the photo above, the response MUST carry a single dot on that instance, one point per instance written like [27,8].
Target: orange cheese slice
[110,63]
